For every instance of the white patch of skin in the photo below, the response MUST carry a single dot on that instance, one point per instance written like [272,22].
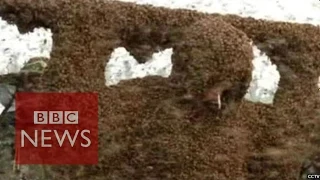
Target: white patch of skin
[265,79]
[123,66]
[1,108]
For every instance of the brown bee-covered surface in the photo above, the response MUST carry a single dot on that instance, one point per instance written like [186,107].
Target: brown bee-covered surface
[148,129]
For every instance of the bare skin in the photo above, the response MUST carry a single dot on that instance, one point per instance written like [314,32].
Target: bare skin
[213,94]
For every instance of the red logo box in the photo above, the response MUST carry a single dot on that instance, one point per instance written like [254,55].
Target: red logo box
[56,128]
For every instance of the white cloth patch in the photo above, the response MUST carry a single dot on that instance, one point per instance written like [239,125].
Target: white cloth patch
[123,66]
[16,49]
[265,79]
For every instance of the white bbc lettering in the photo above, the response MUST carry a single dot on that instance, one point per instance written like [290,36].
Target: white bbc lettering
[33,142]
[71,117]
[56,117]
[40,117]
[66,133]
[61,139]
[45,138]
[86,138]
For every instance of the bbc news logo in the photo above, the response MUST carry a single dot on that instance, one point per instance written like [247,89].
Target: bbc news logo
[56,128]
[55,117]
